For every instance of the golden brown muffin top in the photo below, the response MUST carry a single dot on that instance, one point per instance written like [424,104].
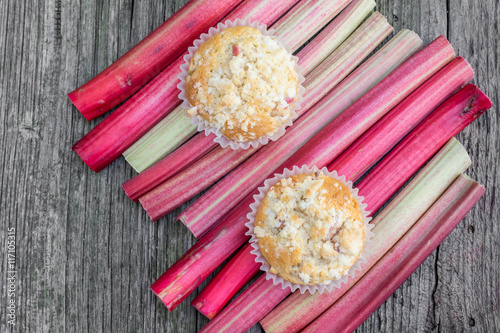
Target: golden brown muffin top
[310,229]
[243,83]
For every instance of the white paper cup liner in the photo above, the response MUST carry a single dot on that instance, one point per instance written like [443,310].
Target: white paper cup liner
[202,124]
[321,288]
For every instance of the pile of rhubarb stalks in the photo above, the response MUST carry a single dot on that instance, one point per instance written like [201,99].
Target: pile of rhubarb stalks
[392,113]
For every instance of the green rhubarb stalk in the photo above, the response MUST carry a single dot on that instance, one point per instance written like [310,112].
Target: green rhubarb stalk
[298,310]
[171,132]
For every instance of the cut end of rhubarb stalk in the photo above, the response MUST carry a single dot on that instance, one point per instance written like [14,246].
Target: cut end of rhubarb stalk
[182,219]
[143,201]
[73,97]
[481,102]
[160,294]
[81,152]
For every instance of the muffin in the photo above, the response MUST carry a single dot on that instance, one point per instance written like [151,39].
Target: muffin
[243,83]
[310,229]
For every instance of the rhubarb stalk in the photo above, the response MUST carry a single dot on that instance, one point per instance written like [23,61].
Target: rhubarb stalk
[396,124]
[317,83]
[175,191]
[326,144]
[166,136]
[390,226]
[145,60]
[225,284]
[110,138]
[336,32]
[170,133]
[398,264]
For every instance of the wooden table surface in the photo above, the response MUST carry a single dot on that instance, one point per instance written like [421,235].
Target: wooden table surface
[86,255]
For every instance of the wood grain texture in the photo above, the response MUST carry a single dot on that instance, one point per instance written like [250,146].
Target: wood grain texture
[86,255]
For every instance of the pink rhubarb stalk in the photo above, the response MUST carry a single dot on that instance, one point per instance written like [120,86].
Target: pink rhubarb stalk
[145,60]
[336,32]
[425,140]
[248,303]
[306,19]
[226,284]
[401,261]
[214,165]
[167,135]
[110,138]
[396,124]
[398,166]
[329,142]
[390,226]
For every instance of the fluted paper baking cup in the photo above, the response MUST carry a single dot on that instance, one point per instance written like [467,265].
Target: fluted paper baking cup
[202,124]
[278,280]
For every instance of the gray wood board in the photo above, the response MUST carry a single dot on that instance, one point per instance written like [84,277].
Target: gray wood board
[86,255]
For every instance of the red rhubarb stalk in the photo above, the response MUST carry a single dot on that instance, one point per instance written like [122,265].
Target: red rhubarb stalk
[390,226]
[167,135]
[398,166]
[397,265]
[145,60]
[388,131]
[214,165]
[397,124]
[110,138]
[203,258]
[225,284]
[329,142]
[183,186]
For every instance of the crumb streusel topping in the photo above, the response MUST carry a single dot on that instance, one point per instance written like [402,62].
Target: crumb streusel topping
[310,229]
[243,83]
